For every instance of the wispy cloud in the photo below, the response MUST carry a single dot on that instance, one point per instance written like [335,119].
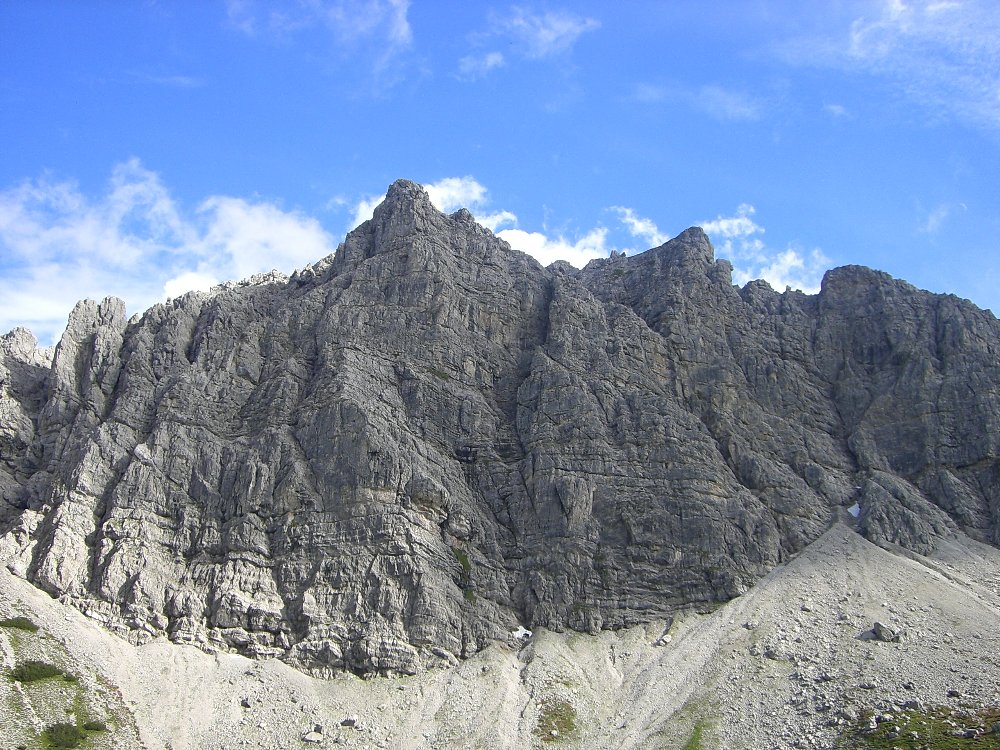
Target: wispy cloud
[649,93]
[945,56]
[59,245]
[939,215]
[717,101]
[471,67]
[528,35]
[724,104]
[641,227]
[739,238]
[381,27]
[543,35]
[836,110]
[175,81]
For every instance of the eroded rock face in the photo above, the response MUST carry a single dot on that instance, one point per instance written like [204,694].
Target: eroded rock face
[420,443]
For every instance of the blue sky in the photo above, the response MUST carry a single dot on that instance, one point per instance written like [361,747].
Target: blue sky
[153,147]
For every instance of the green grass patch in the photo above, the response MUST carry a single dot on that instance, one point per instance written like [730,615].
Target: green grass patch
[694,741]
[556,720]
[463,559]
[439,373]
[63,735]
[936,728]
[465,579]
[32,671]
[19,623]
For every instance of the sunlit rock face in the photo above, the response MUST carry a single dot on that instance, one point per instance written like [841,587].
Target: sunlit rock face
[424,442]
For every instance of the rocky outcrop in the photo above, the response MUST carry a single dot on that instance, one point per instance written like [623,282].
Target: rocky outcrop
[421,443]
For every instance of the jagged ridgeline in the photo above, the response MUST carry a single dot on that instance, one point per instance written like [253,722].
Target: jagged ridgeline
[418,444]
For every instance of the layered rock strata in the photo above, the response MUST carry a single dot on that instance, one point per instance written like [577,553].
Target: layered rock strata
[426,440]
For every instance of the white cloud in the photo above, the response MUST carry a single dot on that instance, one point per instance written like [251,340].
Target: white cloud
[251,238]
[940,214]
[723,104]
[649,93]
[40,221]
[364,209]
[544,35]
[789,268]
[836,110]
[945,56]
[58,245]
[738,238]
[189,281]
[545,249]
[471,67]
[739,226]
[526,35]
[176,81]
[497,219]
[350,20]
[384,20]
[380,27]
[641,227]
[716,101]
[935,219]
[452,193]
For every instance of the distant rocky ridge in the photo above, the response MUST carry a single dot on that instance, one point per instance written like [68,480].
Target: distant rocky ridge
[413,447]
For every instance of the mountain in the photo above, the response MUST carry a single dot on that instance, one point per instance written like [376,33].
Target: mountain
[420,444]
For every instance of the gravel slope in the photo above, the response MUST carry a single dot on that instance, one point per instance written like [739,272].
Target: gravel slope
[785,665]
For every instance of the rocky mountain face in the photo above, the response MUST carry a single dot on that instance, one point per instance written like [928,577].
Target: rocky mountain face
[427,440]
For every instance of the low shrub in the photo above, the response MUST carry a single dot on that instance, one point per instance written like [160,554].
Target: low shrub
[30,671]
[63,735]
[95,726]
[19,623]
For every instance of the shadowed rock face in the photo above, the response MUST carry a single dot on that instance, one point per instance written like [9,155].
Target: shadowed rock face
[412,447]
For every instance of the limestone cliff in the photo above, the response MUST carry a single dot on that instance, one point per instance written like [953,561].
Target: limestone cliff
[425,440]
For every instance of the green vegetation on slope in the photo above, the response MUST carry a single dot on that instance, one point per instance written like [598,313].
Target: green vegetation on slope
[34,670]
[556,720]
[19,623]
[694,743]
[937,728]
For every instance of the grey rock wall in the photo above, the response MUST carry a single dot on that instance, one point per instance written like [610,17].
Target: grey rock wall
[414,446]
